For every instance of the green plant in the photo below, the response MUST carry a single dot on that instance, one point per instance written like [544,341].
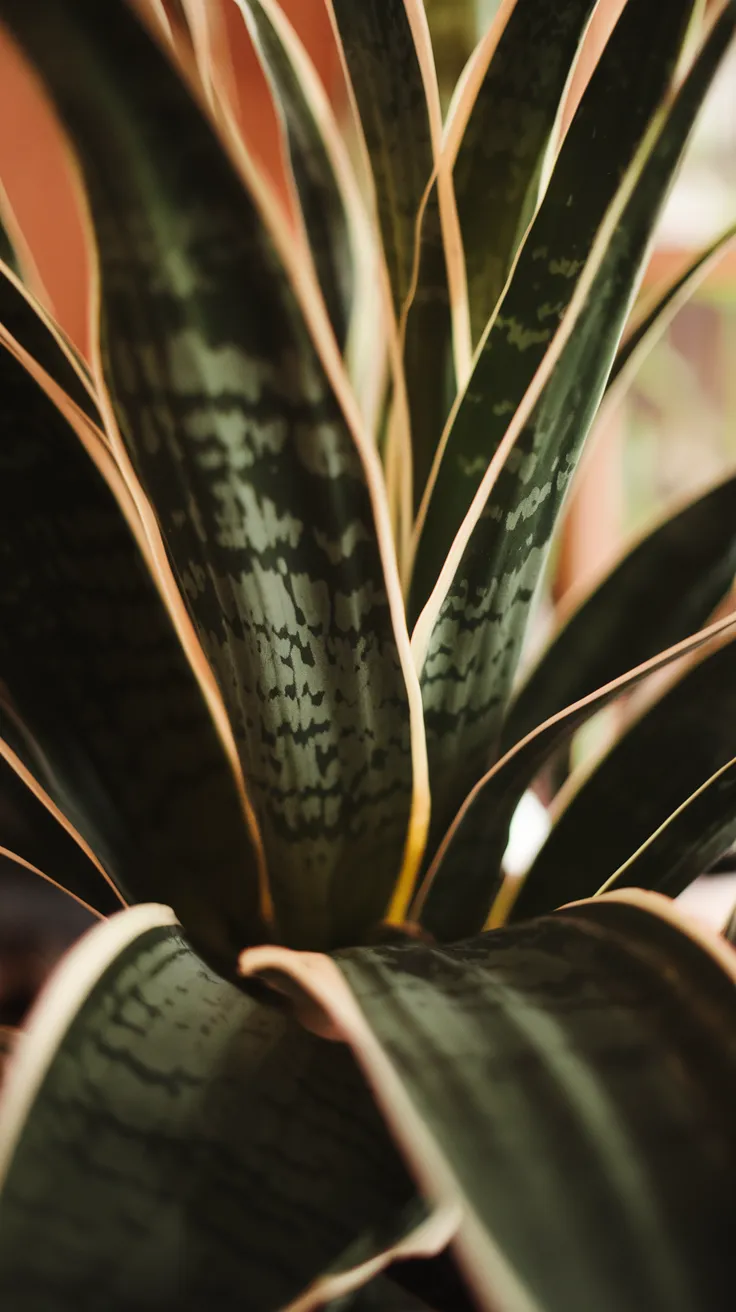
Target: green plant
[214,554]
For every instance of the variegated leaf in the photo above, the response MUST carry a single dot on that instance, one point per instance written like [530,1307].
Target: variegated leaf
[501,144]
[189,1128]
[99,698]
[472,630]
[272,509]
[571,1082]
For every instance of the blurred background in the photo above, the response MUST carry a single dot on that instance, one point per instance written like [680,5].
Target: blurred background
[673,434]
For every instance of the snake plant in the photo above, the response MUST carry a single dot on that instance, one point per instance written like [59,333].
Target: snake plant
[269,557]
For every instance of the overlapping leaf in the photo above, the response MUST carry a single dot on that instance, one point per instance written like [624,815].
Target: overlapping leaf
[319,191]
[499,162]
[662,590]
[659,310]
[7,252]
[461,884]
[118,732]
[697,834]
[396,119]
[263,496]
[595,1046]
[281,1134]
[31,832]
[669,753]
[474,629]
[32,329]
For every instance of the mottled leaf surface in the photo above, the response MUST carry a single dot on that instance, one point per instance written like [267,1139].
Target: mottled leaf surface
[476,641]
[675,748]
[209,1152]
[498,169]
[384,70]
[119,734]
[32,331]
[662,590]
[576,1074]
[257,482]
[595,156]
[321,201]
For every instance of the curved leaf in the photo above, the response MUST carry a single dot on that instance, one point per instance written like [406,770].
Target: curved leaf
[473,629]
[29,831]
[665,587]
[499,146]
[139,1052]
[272,510]
[117,730]
[596,154]
[571,1081]
[659,310]
[319,190]
[657,764]
[687,844]
[34,330]
[465,876]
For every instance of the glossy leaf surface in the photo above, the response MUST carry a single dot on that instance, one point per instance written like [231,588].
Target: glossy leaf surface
[257,481]
[190,1129]
[666,755]
[662,590]
[119,734]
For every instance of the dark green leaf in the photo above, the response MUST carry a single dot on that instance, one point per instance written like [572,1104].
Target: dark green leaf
[676,746]
[46,343]
[730,929]
[465,877]
[662,590]
[118,731]
[572,1080]
[476,633]
[7,251]
[387,81]
[498,169]
[29,830]
[453,26]
[209,1153]
[686,845]
[263,496]
[319,193]
[659,314]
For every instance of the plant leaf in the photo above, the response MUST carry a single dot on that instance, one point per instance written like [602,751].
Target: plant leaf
[383,67]
[662,589]
[658,311]
[593,162]
[113,723]
[500,141]
[137,1050]
[7,251]
[272,508]
[466,875]
[25,320]
[595,1045]
[28,830]
[686,845]
[300,95]
[473,627]
[657,764]
[730,929]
